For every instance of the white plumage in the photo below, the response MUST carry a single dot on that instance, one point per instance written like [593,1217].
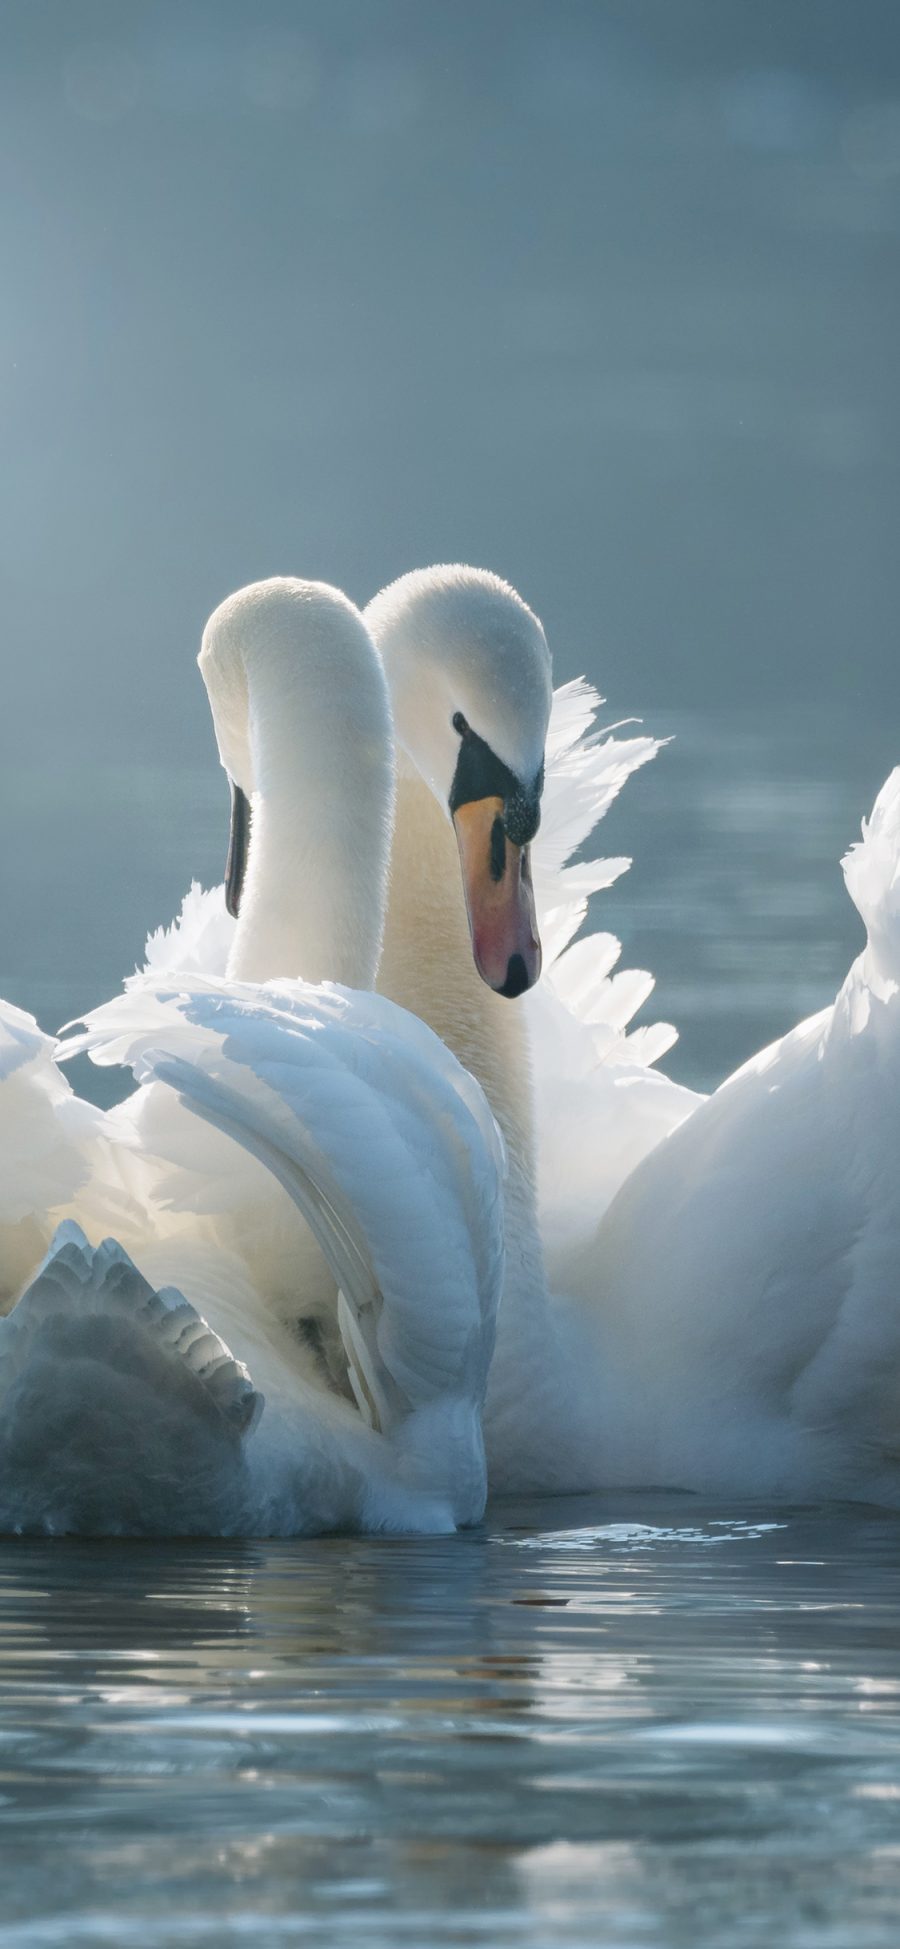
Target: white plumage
[600,1104]
[576,1099]
[285,1142]
[725,1273]
[745,1284]
[697,1292]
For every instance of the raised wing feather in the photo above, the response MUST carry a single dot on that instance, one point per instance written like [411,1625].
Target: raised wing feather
[585,771]
[600,1105]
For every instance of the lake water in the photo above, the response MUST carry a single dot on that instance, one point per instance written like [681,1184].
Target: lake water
[624,1720]
[630,1719]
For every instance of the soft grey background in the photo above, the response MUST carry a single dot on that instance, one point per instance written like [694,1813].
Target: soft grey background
[602,295]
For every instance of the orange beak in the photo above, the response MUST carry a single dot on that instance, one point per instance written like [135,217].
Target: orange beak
[499,899]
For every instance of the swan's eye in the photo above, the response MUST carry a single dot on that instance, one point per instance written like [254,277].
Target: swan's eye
[459,724]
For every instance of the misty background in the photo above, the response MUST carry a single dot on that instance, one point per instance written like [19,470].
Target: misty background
[603,296]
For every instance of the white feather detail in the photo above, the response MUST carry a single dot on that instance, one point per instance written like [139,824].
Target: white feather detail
[745,1284]
[197,941]
[377,1134]
[600,1107]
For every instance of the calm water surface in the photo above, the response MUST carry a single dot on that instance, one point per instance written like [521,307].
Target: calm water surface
[630,1720]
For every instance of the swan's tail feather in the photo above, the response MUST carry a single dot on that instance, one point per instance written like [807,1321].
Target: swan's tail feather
[121,1411]
[872,873]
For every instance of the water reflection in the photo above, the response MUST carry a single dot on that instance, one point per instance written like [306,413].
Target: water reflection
[585,1718]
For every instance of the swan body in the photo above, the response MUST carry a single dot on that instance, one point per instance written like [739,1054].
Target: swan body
[745,1283]
[725,1273]
[158,1371]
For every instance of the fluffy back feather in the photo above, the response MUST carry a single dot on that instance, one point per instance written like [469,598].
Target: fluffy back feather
[49,1143]
[198,941]
[872,873]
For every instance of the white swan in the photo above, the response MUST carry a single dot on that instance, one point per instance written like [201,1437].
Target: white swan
[462,650]
[120,1407]
[469,672]
[733,1321]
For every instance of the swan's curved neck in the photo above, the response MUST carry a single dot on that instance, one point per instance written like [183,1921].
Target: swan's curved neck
[427,966]
[313,897]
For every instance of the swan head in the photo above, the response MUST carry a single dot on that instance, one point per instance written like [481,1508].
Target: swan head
[469,673]
[299,700]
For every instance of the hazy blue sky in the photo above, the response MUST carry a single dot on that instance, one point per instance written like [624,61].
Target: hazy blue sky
[605,296]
